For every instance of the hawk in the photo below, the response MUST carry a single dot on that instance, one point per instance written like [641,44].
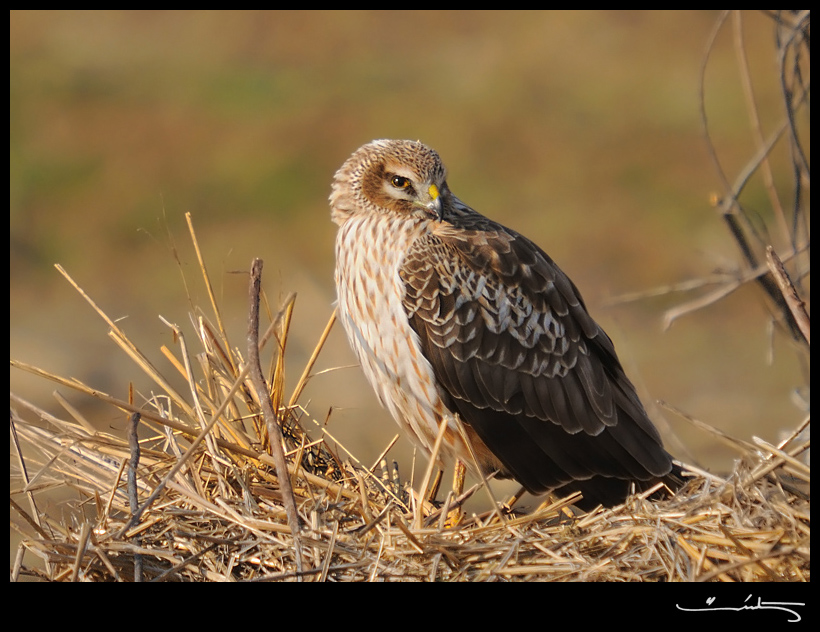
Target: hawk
[453,315]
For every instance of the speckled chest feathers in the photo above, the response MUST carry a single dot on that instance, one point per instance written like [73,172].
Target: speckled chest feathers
[371,311]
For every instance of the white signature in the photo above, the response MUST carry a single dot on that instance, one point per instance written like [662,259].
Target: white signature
[760,605]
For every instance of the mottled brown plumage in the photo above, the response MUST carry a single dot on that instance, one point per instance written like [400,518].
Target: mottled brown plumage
[452,314]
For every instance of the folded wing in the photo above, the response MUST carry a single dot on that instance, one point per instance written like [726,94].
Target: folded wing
[519,358]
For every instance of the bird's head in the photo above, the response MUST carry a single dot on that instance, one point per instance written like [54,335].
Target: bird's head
[391,176]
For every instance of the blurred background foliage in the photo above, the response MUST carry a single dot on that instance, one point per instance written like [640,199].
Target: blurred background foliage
[579,129]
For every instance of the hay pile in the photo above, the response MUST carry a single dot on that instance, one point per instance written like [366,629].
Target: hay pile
[221,518]
[187,504]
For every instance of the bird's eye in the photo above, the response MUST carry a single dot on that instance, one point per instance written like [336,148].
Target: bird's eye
[400,182]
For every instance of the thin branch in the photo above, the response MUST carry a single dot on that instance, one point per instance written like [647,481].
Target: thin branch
[133,502]
[274,431]
[796,305]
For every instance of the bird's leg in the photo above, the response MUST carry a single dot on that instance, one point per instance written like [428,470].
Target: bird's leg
[459,472]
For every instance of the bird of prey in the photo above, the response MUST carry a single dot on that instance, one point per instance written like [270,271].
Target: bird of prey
[455,317]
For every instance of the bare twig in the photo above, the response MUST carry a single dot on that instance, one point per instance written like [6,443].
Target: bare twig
[274,431]
[795,304]
[133,464]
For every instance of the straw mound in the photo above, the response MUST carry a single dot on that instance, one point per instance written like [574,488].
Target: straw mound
[207,506]
[222,519]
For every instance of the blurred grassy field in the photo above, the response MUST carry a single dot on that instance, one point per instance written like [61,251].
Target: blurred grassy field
[579,129]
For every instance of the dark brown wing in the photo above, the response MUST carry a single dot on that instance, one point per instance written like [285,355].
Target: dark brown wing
[516,354]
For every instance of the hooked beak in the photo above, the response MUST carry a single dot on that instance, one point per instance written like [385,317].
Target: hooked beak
[434,206]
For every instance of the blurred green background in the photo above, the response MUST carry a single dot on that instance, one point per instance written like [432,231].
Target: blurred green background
[579,129]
